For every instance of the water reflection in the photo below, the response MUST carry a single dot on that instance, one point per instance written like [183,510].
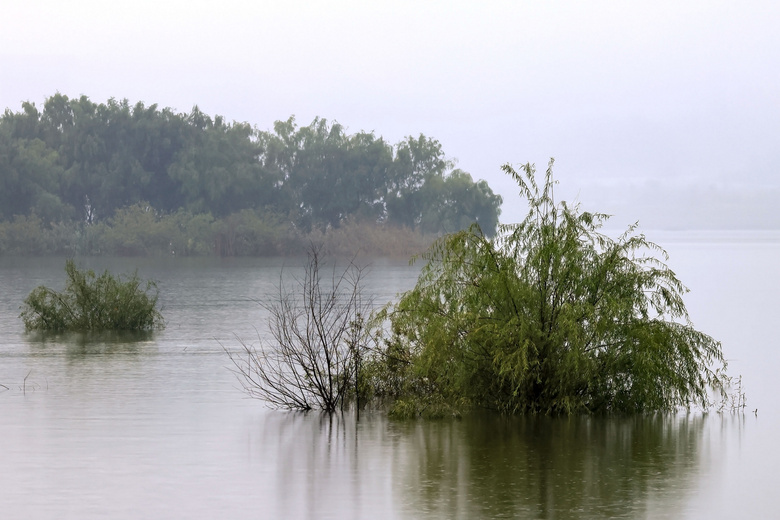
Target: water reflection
[484,466]
[157,428]
[552,467]
[111,337]
[77,346]
[326,466]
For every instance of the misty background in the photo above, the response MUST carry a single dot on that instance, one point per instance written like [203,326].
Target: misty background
[664,112]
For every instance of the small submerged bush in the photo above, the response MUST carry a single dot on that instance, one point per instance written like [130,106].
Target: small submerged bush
[91,302]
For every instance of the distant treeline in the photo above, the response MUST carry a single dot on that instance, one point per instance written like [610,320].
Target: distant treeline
[116,178]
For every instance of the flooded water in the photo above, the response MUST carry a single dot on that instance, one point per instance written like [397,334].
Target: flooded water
[156,427]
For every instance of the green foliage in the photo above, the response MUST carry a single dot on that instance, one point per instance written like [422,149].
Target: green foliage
[135,231]
[454,202]
[367,238]
[93,303]
[83,162]
[190,234]
[550,316]
[140,230]
[248,233]
[25,235]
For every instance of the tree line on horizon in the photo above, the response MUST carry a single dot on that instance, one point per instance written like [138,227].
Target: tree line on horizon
[80,161]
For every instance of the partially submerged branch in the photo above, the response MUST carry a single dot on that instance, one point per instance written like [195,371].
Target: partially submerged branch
[318,337]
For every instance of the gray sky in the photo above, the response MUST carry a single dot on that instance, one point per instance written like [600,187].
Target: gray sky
[666,111]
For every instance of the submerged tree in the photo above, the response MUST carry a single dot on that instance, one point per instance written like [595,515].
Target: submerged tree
[93,303]
[318,340]
[550,316]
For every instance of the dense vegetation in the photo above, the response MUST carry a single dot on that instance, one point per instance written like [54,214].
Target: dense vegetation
[93,303]
[77,164]
[139,230]
[549,316]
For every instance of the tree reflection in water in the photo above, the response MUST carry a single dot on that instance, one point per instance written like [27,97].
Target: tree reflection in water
[541,467]
[483,466]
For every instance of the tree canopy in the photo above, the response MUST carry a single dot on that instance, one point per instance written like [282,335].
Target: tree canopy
[84,161]
[549,316]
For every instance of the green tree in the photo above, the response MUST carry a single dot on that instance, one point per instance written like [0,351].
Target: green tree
[418,162]
[317,172]
[30,177]
[325,175]
[218,171]
[56,121]
[454,202]
[115,154]
[156,138]
[550,316]
[79,162]
[93,302]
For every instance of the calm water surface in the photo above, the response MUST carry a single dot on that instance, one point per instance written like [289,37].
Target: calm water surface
[156,427]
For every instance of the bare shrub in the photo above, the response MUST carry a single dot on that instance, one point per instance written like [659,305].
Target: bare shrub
[319,333]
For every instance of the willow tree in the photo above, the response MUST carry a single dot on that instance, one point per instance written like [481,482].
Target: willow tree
[551,316]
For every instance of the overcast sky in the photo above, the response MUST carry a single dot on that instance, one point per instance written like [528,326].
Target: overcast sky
[666,112]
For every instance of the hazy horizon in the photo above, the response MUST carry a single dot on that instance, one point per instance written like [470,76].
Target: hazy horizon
[666,113]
